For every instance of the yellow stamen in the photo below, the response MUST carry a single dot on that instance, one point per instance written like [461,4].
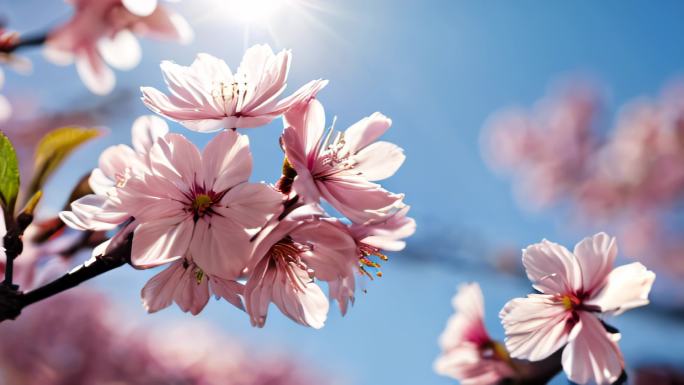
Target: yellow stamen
[202,203]
[567,303]
[367,251]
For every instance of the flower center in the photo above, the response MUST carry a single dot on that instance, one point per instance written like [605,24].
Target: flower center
[570,302]
[365,252]
[285,254]
[335,154]
[202,204]
[230,94]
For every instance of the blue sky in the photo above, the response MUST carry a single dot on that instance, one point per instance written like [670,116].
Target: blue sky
[438,69]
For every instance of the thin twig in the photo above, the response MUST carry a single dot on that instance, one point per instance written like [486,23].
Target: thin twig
[23,42]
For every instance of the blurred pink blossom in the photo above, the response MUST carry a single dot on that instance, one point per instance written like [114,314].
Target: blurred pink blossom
[629,177]
[102,32]
[207,96]
[469,355]
[79,338]
[341,169]
[548,149]
[576,289]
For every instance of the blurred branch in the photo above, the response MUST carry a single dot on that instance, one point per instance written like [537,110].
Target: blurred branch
[13,42]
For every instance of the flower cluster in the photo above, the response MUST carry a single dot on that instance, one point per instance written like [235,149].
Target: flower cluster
[628,176]
[45,348]
[575,291]
[252,244]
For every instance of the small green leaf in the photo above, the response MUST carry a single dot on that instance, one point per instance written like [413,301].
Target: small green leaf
[9,175]
[54,148]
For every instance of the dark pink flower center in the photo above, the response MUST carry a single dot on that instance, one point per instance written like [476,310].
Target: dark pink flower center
[201,201]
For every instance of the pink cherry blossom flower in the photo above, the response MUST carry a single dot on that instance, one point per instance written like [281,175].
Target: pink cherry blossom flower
[576,289]
[287,259]
[342,170]
[207,96]
[184,283]
[103,32]
[469,355]
[117,164]
[198,205]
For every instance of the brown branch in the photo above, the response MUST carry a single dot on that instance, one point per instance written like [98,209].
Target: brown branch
[15,44]
[12,301]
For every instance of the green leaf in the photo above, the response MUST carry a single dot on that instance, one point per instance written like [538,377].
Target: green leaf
[54,148]
[9,175]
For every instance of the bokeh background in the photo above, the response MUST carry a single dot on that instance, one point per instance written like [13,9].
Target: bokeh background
[439,69]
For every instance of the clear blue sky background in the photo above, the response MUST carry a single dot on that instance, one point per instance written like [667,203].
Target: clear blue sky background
[438,68]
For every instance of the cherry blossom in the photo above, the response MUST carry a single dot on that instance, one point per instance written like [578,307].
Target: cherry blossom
[184,283]
[576,289]
[207,96]
[469,355]
[103,32]
[198,205]
[289,256]
[341,168]
[117,164]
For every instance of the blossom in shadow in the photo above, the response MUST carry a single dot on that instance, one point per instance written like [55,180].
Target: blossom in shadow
[289,257]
